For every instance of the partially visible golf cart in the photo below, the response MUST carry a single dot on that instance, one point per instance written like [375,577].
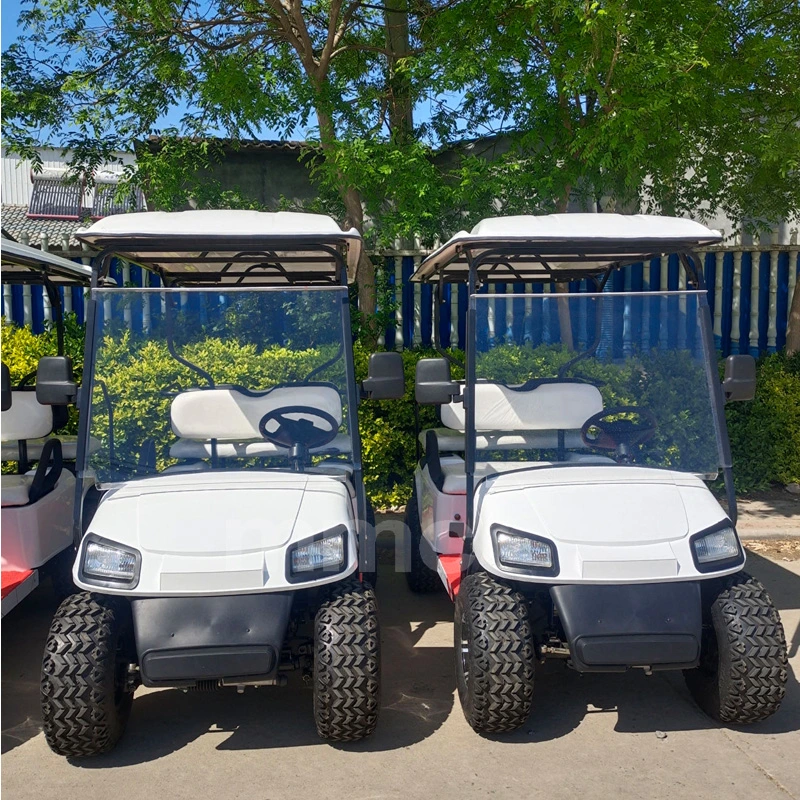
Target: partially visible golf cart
[37,503]
[233,541]
[562,500]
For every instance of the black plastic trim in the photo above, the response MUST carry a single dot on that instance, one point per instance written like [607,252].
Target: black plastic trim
[546,572]
[613,627]
[182,640]
[324,572]
[109,583]
[722,564]
[433,461]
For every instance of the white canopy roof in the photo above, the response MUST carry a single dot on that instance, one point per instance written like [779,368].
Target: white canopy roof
[22,263]
[229,246]
[532,247]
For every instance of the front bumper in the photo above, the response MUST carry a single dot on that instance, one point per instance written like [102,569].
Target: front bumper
[183,640]
[613,628]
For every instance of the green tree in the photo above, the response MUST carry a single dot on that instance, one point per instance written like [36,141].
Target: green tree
[666,106]
[99,75]
[672,107]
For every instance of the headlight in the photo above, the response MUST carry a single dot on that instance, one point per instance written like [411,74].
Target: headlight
[326,552]
[523,552]
[109,564]
[719,545]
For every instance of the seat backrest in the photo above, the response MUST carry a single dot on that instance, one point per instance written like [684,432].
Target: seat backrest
[551,406]
[233,414]
[26,419]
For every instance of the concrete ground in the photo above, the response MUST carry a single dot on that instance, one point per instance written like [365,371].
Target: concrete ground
[594,736]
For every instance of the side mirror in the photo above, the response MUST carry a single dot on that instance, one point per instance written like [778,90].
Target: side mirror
[386,379]
[6,389]
[740,378]
[55,384]
[433,384]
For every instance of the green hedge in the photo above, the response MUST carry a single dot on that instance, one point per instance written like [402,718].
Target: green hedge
[765,434]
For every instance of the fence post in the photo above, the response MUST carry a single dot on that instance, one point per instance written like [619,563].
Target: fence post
[145,302]
[126,279]
[7,303]
[755,271]
[772,330]
[719,263]
[454,342]
[47,309]
[736,300]
[417,337]
[66,292]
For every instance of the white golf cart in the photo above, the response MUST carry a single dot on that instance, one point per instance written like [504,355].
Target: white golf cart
[563,501]
[37,503]
[232,541]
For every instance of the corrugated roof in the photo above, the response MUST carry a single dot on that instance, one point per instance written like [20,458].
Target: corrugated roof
[16,222]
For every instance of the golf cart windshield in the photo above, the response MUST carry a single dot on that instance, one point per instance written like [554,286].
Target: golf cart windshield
[189,380]
[593,379]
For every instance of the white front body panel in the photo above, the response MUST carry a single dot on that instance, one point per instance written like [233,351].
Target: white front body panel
[33,534]
[609,524]
[217,533]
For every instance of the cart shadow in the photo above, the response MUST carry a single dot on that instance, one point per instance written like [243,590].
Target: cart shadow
[417,697]
[660,703]
[24,632]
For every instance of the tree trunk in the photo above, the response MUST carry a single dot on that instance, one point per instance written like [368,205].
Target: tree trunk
[354,218]
[564,316]
[401,106]
[793,331]
[365,273]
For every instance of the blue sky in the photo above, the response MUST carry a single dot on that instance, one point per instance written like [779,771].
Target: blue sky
[11,32]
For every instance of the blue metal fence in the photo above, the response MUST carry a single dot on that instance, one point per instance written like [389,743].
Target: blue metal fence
[749,292]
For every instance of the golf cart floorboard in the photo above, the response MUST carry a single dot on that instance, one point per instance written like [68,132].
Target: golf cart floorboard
[451,565]
[17,585]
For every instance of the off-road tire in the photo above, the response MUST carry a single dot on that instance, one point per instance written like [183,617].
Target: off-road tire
[347,663]
[743,663]
[85,702]
[494,654]
[420,577]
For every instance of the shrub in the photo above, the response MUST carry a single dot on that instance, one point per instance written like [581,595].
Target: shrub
[765,433]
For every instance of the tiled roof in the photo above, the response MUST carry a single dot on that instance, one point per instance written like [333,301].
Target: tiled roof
[16,221]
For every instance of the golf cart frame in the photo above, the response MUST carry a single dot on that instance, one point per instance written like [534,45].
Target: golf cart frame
[219,567]
[338,276]
[37,523]
[566,557]
[498,254]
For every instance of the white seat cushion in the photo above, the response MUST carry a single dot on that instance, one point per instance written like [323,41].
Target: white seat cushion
[15,489]
[233,415]
[69,448]
[548,407]
[26,419]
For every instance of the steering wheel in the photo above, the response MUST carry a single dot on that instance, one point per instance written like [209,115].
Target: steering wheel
[303,432]
[622,434]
